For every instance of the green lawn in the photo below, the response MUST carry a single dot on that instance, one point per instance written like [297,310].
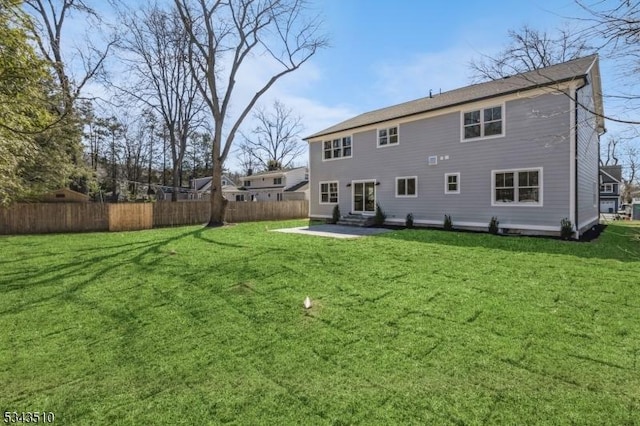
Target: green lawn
[196,326]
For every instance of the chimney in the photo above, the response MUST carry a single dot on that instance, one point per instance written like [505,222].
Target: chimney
[249,172]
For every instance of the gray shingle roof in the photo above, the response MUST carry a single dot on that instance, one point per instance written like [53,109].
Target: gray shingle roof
[297,186]
[543,77]
[609,172]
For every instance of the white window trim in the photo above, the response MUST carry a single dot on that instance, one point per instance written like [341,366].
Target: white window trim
[328,182]
[406,196]
[375,195]
[387,129]
[605,191]
[482,108]
[540,203]
[446,183]
[342,147]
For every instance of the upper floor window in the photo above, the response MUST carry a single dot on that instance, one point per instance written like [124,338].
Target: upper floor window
[388,136]
[519,187]
[277,181]
[607,187]
[337,148]
[482,123]
[247,183]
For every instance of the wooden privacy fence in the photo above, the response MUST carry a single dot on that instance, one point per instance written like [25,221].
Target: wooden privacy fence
[251,211]
[40,218]
[130,217]
[166,213]
[54,217]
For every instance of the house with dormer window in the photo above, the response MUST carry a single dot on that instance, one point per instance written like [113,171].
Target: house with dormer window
[523,149]
[274,185]
[610,188]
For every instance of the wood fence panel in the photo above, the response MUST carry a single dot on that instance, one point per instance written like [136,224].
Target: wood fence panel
[41,218]
[248,211]
[130,216]
[166,213]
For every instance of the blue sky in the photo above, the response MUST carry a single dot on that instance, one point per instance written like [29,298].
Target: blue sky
[387,52]
[384,52]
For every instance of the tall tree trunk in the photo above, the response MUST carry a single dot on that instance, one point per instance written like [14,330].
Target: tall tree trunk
[218,203]
[175,181]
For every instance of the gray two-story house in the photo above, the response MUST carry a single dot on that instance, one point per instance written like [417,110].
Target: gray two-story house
[523,149]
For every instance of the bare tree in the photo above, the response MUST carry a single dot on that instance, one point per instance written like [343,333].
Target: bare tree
[156,51]
[609,151]
[615,26]
[223,34]
[274,142]
[529,49]
[48,24]
[246,159]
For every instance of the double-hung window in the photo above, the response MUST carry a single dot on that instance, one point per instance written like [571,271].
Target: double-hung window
[407,186]
[277,181]
[328,192]
[482,123]
[517,187]
[388,136]
[337,148]
[452,183]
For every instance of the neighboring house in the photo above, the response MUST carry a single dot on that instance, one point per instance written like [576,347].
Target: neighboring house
[523,149]
[202,188]
[610,185]
[278,185]
[163,193]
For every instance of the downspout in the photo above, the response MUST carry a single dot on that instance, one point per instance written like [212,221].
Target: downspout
[576,154]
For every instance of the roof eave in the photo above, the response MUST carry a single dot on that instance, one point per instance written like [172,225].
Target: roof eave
[479,99]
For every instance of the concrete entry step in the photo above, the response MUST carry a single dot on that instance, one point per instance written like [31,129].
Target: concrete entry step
[357,220]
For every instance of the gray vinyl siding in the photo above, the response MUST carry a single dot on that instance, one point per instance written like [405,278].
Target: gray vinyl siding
[536,136]
[587,152]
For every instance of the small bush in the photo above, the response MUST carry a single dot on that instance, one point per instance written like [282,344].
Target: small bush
[409,220]
[335,217]
[380,215]
[566,229]
[448,223]
[494,226]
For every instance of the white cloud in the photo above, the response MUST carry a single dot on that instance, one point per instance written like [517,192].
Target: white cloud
[292,90]
[439,71]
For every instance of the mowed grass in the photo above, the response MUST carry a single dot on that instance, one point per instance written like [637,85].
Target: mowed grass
[206,326]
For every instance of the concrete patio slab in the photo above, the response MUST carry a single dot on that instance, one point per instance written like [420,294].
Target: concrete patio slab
[333,231]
